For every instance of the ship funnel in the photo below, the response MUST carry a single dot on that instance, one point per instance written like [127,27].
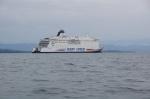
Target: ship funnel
[61,31]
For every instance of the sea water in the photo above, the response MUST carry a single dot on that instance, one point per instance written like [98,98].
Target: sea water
[75,76]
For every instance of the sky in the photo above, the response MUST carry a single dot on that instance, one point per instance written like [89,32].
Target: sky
[28,21]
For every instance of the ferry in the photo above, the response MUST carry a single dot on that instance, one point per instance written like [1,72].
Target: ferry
[66,44]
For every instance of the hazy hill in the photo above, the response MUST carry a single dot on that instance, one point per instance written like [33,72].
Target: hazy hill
[21,47]
[136,48]
[138,45]
[13,51]
[145,42]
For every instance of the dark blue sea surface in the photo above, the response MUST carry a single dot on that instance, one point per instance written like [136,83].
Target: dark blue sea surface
[75,76]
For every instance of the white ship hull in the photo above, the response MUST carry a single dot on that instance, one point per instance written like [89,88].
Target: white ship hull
[66,50]
[64,44]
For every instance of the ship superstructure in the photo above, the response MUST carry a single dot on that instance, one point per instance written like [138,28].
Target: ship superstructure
[65,44]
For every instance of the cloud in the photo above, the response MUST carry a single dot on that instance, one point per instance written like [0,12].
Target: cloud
[110,19]
[67,9]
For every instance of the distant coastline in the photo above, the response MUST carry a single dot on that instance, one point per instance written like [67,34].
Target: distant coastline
[19,51]
[27,47]
[13,51]
[117,51]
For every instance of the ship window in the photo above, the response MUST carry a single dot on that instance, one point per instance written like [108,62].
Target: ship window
[44,43]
